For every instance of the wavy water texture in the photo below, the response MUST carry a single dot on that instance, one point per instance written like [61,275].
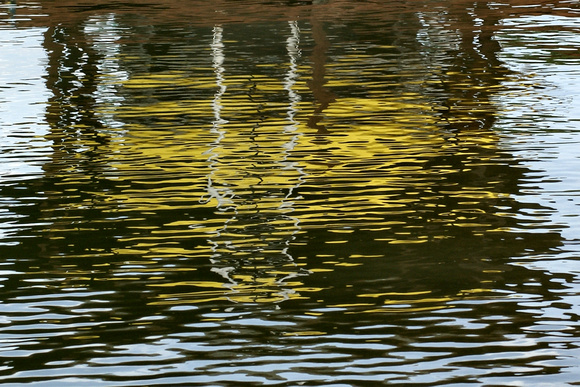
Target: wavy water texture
[289,193]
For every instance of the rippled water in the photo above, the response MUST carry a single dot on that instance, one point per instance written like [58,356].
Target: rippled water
[287,193]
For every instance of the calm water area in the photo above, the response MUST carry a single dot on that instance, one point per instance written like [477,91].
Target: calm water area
[289,193]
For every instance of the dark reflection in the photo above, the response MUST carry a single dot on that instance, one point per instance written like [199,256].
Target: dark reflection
[322,95]
[74,180]
[189,229]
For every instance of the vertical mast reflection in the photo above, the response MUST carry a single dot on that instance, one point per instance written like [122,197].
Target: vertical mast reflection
[253,180]
[217,50]
[223,195]
[294,53]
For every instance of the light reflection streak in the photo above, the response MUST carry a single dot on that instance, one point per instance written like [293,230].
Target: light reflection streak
[23,150]
[223,195]
[104,31]
[294,53]
[247,251]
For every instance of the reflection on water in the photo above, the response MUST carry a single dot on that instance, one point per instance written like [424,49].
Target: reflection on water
[250,249]
[289,193]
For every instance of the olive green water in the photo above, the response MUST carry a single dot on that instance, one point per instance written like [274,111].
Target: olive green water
[247,192]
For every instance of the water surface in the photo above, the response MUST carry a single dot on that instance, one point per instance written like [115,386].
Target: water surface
[288,193]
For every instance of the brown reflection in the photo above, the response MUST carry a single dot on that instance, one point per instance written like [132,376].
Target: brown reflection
[203,13]
[475,73]
[323,96]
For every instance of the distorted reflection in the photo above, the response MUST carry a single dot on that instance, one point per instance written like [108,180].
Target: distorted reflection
[254,192]
[322,95]
[105,33]
[290,192]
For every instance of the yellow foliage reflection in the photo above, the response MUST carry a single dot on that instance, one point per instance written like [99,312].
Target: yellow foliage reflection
[220,170]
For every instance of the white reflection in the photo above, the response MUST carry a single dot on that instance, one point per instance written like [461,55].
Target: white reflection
[540,120]
[105,32]
[293,48]
[294,53]
[254,190]
[23,149]
[23,97]
[222,195]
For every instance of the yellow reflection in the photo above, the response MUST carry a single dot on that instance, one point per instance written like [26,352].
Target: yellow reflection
[305,333]
[201,284]
[247,162]
[413,301]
